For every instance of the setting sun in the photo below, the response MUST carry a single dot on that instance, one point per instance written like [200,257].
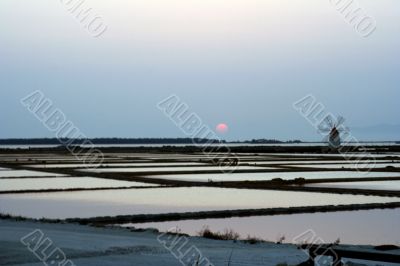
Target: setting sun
[222,128]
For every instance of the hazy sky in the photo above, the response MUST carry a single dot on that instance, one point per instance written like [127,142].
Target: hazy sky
[242,62]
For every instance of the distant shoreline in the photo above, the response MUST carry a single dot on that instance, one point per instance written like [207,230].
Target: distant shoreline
[110,141]
[135,142]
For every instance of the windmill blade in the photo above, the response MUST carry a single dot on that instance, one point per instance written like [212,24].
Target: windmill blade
[345,134]
[329,121]
[343,128]
[323,128]
[340,121]
[326,125]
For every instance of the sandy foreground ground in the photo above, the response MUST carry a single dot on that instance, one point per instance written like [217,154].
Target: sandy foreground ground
[84,245]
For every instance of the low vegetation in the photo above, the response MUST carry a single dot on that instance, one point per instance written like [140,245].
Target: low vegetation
[252,240]
[6,216]
[228,234]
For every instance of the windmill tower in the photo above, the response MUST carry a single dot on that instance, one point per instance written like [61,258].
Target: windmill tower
[334,137]
[332,131]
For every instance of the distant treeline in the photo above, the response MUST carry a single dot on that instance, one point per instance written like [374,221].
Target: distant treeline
[54,141]
[269,141]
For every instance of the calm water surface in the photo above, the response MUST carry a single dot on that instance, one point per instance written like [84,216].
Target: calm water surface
[350,166]
[272,175]
[22,173]
[164,200]
[172,169]
[64,183]
[376,227]
[379,185]
[81,165]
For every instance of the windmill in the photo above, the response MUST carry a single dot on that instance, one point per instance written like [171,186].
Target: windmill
[332,130]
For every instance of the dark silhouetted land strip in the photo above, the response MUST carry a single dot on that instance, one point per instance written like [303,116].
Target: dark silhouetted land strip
[145,218]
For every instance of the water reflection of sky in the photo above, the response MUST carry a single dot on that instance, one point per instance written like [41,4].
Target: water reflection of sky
[374,227]
[165,200]
[379,185]
[272,175]
[64,183]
